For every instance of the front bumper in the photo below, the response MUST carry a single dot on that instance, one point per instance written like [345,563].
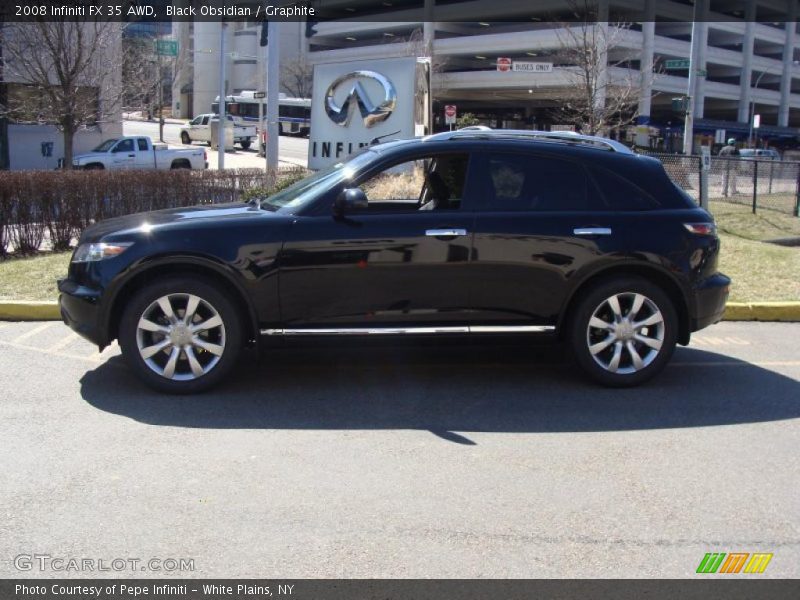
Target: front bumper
[80,310]
[709,301]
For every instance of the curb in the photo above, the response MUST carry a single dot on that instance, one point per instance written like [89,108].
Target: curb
[762,311]
[21,310]
[734,311]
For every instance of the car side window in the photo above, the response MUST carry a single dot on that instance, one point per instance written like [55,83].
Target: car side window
[195,121]
[142,144]
[427,183]
[205,120]
[124,146]
[523,182]
[619,193]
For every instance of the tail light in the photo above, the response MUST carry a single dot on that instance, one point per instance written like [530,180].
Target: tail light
[701,228]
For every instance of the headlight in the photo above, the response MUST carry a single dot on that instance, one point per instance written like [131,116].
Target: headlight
[94,252]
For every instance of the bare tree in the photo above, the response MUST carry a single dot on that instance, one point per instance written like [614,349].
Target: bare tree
[602,91]
[297,77]
[139,74]
[67,74]
[148,73]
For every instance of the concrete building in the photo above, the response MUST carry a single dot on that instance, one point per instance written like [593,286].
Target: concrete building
[32,143]
[197,85]
[741,61]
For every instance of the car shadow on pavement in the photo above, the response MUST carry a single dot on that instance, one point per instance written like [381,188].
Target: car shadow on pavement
[447,388]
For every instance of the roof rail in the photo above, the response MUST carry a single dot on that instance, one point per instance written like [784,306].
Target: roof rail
[568,137]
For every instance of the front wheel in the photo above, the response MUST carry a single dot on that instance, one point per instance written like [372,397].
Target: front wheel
[185,139]
[624,331]
[181,335]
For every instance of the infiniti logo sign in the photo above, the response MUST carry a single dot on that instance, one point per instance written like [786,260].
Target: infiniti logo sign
[372,114]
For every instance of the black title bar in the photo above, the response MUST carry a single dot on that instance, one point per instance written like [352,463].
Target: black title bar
[522,11]
[733,588]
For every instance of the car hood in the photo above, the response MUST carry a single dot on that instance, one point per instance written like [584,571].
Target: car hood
[154,220]
[89,156]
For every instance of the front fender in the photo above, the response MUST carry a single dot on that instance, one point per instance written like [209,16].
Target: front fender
[116,288]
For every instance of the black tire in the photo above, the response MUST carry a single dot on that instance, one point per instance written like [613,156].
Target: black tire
[229,337]
[601,364]
[181,164]
[185,139]
[94,167]
[245,144]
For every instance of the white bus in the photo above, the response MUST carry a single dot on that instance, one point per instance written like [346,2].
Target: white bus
[294,114]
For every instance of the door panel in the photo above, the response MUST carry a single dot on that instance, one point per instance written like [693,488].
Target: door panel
[374,269]
[526,263]
[538,230]
[401,260]
[124,155]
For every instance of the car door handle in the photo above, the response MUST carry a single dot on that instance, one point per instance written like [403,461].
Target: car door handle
[445,232]
[131,156]
[592,231]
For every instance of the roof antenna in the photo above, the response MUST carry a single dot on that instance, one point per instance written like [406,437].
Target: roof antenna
[378,139]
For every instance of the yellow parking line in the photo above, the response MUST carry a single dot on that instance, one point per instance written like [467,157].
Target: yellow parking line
[68,339]
[48,352]
[32,332]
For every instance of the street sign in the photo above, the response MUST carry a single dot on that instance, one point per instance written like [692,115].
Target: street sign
[503,64]
[701,72]
[680,104]
[450,114]
[533,67]
[705,158]
[260,95]
[677,64]
[756,121]
[166,47]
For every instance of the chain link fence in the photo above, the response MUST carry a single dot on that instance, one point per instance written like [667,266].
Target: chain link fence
[762,184]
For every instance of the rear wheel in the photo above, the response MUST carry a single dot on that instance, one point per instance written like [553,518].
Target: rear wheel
[245,144]
[185,139]
[181,335]
[624,331]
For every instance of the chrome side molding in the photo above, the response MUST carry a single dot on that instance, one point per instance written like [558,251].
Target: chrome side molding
[445,232]
[412,330]
[592,231]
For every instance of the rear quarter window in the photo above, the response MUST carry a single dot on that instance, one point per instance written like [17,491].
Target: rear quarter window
[619,194]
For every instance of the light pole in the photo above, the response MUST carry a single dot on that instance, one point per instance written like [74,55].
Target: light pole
[688,123]
[222,116]
[753,106]
[753,102]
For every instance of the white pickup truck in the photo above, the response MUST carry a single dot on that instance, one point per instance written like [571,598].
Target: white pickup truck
[199,130]
[139,152]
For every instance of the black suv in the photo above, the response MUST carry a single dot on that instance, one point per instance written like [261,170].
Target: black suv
[470,232]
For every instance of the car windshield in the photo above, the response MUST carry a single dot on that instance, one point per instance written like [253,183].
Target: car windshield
[298,194]
[105,146]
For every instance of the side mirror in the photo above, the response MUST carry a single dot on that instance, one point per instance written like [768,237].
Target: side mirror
[350,200]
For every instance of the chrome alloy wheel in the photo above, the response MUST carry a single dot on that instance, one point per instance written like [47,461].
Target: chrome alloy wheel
[625,333]
[180,337]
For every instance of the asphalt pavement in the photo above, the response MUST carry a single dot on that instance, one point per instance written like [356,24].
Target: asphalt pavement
[403,459]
